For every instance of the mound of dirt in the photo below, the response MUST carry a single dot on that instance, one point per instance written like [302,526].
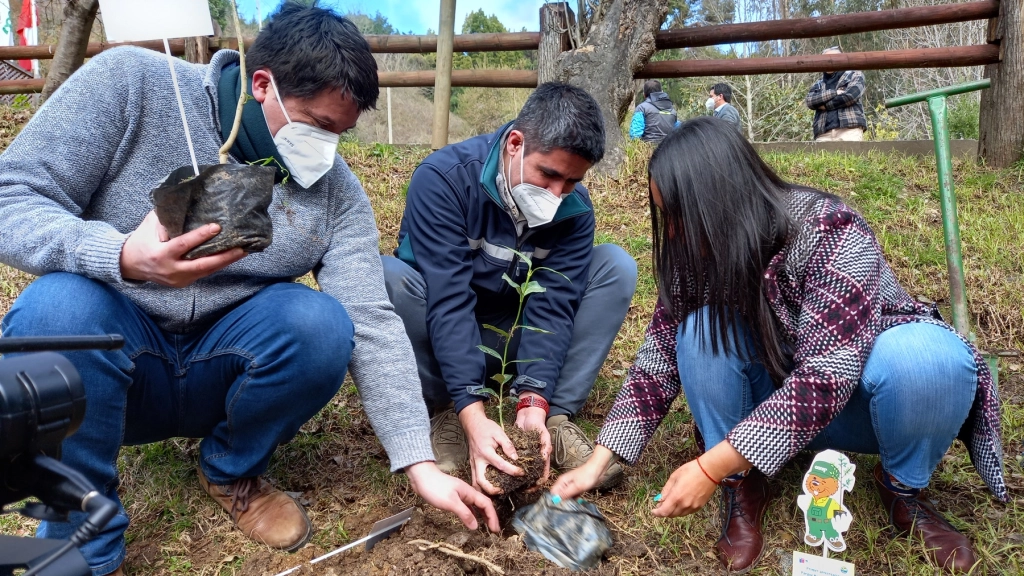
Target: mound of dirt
[399,555]
[527,445]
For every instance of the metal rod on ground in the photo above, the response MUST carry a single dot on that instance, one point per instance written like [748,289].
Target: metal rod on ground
[181,107]
[391,139]
[443,81]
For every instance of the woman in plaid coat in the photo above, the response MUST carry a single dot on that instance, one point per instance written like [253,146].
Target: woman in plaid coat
[786,329]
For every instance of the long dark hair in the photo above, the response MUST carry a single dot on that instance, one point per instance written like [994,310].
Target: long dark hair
[723,218]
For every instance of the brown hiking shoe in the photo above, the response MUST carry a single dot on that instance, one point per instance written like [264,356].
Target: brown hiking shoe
[742,512]
[448,440]
[570,448]
[262,512]
[914,515]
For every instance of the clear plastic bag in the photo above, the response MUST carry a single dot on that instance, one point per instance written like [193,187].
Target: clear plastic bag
[570,533]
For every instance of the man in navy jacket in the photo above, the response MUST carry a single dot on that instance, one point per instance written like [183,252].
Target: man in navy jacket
[473,211]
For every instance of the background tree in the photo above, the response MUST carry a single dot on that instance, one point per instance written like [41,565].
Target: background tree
[612,40]
[74,40]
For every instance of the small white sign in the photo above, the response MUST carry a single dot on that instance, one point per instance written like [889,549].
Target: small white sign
[826,518]
[808,565]
[137,20]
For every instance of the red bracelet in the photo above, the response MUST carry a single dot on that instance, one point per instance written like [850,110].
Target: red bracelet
[528,401]
[713,481]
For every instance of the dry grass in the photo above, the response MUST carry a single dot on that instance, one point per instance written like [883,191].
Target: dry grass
[341,471]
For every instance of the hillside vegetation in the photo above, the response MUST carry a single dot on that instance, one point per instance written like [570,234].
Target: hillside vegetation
[341,473]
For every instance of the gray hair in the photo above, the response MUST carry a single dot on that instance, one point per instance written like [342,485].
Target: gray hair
[559,115]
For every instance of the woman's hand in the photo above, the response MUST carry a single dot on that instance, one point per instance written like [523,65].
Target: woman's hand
[686,491]
[586,477]
[691,485]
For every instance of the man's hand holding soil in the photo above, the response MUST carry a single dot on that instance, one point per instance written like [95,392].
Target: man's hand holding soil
[484,436]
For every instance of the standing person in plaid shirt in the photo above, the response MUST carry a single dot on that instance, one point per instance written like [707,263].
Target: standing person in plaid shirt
[785,327]
[835,99]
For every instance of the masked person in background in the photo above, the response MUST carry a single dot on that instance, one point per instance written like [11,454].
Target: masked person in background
[719,104]
[470,207]
[227,348]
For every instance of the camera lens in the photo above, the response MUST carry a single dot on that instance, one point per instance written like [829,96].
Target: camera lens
[42,401]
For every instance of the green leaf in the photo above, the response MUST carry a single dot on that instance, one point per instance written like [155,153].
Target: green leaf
[526,361]
[555,271]
[510,281]
[496,329]
[523,257]
[489,352]
[489,392]
[501,378]
[531,287]
[535,329]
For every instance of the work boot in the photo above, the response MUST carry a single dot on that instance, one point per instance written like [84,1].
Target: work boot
[914,515]
[448,440]
[570,448]
[262,512]
[742,509]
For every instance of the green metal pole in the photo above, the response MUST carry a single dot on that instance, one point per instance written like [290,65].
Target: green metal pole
[950,223]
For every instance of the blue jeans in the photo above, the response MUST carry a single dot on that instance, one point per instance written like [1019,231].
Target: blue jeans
[601,313]
[244,385]
[913,397]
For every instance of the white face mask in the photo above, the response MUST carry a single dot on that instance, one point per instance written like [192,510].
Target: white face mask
[307,151]
[536,203]
[710,103]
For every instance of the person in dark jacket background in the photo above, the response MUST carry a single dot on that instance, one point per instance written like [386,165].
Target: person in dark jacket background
[655,117]
[473,211]
[719,103]
[836,101]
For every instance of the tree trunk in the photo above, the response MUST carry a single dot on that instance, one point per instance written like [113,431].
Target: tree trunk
[74,38]
[197,50]
[1001,140]
[556,18]
[618,44]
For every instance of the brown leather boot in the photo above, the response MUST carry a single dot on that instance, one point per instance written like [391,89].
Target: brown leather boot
[262,512]
[914,515]
[742,511]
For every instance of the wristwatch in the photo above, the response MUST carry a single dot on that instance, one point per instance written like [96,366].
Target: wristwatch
[532,400]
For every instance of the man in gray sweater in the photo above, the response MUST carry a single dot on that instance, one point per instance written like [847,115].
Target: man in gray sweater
[227,348]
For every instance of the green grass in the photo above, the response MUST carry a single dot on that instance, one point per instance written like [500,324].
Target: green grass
[341,471]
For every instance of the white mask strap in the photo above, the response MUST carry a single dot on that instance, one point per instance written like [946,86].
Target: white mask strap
[278,96]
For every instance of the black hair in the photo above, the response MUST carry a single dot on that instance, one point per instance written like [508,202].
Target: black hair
[723,218]
[723,90]
[562,116]
[310,49]
[650,87]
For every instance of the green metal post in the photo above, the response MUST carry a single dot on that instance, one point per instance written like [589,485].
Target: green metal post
[950,222]
[950,226]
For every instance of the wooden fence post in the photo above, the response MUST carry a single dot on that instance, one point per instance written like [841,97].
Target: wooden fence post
[197,50]
[1001,123]
[443,79]
[555,20]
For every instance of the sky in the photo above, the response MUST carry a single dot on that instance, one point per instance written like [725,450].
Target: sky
[417,16]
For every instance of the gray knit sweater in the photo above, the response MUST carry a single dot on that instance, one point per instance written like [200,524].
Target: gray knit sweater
[76,182]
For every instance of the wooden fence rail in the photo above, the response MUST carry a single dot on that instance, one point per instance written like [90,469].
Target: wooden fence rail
[887,59]
[666,39]
[825,26]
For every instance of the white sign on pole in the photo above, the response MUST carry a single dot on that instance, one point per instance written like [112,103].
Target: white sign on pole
[136,20]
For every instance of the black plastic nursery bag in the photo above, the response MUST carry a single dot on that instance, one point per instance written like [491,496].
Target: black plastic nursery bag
[570,533]
[236,196]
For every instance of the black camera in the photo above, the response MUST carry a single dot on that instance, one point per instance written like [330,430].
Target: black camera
[42,401]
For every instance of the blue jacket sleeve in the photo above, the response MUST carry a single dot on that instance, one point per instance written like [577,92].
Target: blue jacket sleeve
[555,309]
[435,211]
[637,125]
